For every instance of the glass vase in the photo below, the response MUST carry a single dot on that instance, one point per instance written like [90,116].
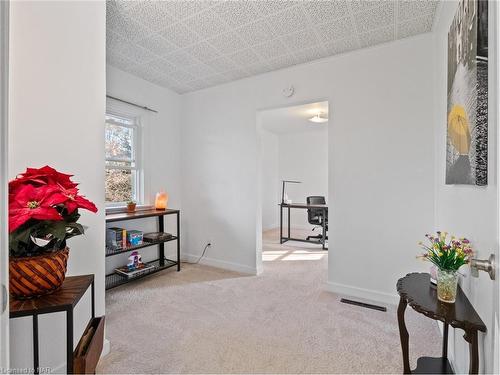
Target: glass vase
[447,285]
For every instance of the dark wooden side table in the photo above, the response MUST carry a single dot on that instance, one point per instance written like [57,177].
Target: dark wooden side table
[416,290]
[64,299]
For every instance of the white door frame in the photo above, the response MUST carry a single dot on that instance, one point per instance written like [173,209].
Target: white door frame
[4,249]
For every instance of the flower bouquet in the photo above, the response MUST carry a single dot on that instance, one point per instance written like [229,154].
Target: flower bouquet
[43,214]
[448,256]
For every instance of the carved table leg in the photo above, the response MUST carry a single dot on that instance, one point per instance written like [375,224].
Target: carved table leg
[471,338]
[403,335]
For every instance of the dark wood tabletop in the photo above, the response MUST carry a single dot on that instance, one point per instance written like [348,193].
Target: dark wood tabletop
[421,295]
[72,290]
[139,214]
[303,205]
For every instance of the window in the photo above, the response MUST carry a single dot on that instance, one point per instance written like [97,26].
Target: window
[123,177]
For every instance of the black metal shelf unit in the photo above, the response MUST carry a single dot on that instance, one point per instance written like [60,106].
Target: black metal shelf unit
[114,279]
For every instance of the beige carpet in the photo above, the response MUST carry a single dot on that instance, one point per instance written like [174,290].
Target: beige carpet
[207,320]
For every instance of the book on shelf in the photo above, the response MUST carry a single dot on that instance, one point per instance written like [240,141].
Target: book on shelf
[125,271]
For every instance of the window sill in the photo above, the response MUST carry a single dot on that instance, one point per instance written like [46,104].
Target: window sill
[122,209]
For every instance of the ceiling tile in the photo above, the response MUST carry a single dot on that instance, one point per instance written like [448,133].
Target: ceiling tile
[415,26]
[322,11]
[339,29]
[222,64]
[309,54]
[363,5]
[206,24]
[271,49]
[167,80]
[181,58]
[232,75]
[119,61]
[341,46]
[138,54]
[382,35]
[216,79]
[161,65]
[375,18]
[148,74]
[182,9]
[200,70]
[128,28]
[202,51]
[281,62]
[288,21]
[182,76]
[256,32]
[114,42]
[408,9]
[197,84]
[152,14]
[227,43]
[300,40]
[245,57]
[237,13]
[180,36]
[267,7]
[157,44]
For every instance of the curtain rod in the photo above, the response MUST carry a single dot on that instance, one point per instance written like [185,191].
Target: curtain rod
[127,102]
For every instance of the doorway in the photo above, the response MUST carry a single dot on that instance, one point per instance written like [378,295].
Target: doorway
[293,148]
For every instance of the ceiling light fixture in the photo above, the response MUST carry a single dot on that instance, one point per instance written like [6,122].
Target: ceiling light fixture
[318,119]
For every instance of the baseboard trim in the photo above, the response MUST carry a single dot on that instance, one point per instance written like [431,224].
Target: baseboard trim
[367,294]
[217,263]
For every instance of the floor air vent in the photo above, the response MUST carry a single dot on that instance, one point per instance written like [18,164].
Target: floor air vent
[362,304]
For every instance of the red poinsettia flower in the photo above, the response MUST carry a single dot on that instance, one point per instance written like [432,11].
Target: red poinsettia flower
[42,176]
[75,201]
[30,202]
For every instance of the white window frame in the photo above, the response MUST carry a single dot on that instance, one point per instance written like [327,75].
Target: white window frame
[138,185]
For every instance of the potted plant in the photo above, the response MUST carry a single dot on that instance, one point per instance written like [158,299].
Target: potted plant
[131,206]
[448,256]
[43,215]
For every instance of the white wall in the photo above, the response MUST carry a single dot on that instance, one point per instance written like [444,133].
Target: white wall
[270,180]
[57,103]
[381,163]
[469,210]
[160,149]
[304,157]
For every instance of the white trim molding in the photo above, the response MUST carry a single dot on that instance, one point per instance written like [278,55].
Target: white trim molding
[221,264]
[367,294]
[4,248]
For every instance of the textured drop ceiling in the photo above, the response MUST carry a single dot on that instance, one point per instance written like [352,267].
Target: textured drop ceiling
[189,45]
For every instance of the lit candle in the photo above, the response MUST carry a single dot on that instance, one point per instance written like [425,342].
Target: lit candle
[161,200]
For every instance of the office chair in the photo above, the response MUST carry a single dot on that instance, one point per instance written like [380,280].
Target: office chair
[315,215]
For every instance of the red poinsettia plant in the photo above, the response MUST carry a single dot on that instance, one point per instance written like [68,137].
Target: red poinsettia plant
[43,211]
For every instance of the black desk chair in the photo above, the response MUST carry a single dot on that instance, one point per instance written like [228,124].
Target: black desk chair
[315,215]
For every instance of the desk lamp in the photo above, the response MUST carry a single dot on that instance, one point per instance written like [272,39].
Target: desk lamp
[283,189]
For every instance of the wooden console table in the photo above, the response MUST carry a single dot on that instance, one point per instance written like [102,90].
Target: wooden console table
[64,299]
[416,290]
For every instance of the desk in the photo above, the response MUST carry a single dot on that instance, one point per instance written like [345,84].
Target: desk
[302,206]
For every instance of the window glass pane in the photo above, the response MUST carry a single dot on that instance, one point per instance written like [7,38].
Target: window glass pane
[119,141]
[120,185]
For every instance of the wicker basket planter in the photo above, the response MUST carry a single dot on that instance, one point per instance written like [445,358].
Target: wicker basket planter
[31,277]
